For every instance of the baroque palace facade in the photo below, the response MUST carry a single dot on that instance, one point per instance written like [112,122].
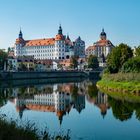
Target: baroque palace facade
[58,48]
[100,48]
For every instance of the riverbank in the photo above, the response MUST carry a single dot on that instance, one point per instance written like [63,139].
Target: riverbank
[9,130]
[120,83]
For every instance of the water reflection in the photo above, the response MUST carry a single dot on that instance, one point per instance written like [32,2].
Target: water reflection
[61,98]
[58,98]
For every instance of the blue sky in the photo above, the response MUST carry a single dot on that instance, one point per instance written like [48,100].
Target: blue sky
[41,18]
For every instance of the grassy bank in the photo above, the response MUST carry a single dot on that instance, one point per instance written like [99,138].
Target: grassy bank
[9,130]
[121,83]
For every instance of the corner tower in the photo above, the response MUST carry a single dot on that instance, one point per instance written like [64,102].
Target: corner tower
[19,44]
[59,45]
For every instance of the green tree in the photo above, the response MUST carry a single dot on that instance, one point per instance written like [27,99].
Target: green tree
[3,57]
[118,56]
[137,51]
[74,62]
[10,66]
[93,62]
[60,66]
[23,67]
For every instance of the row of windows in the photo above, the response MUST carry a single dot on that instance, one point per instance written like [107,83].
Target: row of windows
[39,47]
[44,57]
[24,52]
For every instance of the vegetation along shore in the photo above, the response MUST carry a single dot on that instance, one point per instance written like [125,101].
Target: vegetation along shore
[122,73]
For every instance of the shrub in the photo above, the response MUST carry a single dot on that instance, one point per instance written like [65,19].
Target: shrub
[132,65]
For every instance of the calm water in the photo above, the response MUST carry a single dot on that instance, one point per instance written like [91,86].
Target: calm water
[76,106]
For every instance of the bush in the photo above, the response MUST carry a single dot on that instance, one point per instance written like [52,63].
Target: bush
[10,130]
[132,65]
[122,77]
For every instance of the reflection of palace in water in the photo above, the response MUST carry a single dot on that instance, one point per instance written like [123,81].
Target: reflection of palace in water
[101,101]
[59,100]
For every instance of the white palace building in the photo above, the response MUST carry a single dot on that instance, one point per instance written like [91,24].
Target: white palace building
[60,47]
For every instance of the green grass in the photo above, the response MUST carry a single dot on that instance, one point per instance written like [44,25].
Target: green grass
[129,97]
[121,82]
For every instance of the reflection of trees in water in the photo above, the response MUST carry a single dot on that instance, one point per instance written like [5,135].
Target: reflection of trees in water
[122,110]
[3,97]
[22,90]
[92,90]
[137,109]
[74,91]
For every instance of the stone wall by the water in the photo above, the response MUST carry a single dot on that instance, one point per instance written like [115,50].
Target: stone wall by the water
[40,75]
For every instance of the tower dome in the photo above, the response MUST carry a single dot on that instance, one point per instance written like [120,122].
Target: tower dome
[60,30]
[103,35]
[59,36]
[20,39]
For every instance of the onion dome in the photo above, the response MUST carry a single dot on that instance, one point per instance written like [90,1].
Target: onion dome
[20,39]
[20,34]
[59,36]
[60,30]
[103,34]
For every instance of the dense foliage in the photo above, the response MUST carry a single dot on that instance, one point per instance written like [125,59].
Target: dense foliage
[137,51]
[93,62]
[132,65]
[3,57]
[74,62]
[118,57]
[12,131]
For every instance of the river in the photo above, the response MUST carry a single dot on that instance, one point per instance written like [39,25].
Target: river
[77,107]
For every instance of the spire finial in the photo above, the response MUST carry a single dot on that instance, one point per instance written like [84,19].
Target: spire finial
[60,30]
[102,29]
[20,33]
[68,36]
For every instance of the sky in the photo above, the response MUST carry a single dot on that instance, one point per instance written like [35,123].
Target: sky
[86,18]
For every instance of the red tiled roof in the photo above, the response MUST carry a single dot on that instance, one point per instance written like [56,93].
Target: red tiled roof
[59,37]
[46,108]
[19,40]
[100,43]
[40,42]
[103,42]
[45,62]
